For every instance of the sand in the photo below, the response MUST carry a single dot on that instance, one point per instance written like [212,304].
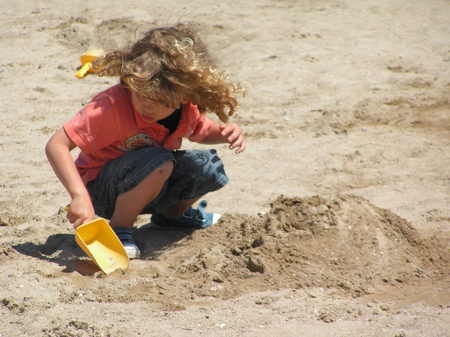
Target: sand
[336,219]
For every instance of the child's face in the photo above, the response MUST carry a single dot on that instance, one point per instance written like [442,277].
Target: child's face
[152,111]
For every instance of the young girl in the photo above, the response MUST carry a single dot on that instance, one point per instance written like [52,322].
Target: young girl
[129,136]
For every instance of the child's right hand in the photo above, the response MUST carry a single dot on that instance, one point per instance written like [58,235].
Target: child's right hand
[80,211]
[58,153]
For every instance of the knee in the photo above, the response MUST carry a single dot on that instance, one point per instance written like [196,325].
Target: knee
[165,170]
[157,178]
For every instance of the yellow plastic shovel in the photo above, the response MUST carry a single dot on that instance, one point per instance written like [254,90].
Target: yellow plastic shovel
[86,61]
[101,244]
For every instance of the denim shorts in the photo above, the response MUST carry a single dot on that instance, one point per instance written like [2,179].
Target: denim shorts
[195,173]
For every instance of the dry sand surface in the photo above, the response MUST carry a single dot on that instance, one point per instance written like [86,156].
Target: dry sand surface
[336,220]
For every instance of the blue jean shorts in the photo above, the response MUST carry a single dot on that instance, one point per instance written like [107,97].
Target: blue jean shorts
[195,173]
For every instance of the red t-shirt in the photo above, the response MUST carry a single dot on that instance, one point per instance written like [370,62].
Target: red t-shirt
[108,126]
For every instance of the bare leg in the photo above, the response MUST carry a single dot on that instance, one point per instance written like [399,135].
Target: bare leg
[130,204]
[180,208]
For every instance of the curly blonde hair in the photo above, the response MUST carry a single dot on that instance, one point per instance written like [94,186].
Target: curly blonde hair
[171,65]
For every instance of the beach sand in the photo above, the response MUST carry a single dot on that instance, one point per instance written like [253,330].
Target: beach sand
[336,218]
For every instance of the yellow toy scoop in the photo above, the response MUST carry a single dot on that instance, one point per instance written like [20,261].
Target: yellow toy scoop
[86,61]
[101,244]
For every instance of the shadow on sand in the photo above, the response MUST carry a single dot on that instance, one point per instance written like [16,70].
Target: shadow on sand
[62,249]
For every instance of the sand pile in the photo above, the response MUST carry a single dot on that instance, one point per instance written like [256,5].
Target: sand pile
[341,242]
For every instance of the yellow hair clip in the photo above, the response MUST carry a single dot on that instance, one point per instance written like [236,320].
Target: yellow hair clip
[86,61]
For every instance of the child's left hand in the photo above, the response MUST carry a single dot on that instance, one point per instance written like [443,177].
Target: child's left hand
[234,136]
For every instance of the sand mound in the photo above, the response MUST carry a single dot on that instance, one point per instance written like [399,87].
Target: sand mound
[342,242]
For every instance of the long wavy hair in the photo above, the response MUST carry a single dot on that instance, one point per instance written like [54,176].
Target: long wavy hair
[171,65]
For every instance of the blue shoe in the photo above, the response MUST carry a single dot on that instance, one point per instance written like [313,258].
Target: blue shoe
[125,236]
[193,218]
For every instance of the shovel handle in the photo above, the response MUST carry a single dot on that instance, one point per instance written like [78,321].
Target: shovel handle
[84,70]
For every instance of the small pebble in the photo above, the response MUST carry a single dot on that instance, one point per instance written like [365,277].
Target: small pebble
[384,307]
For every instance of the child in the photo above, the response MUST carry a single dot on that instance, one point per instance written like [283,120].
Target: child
[129,136]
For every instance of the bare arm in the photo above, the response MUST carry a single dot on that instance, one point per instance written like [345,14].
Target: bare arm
[58,153]
[226,133]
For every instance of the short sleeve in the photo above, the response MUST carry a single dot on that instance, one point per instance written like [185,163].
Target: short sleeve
[202,128]
[95,126]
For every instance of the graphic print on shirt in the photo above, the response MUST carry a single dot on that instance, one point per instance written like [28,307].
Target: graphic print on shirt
[137,142]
